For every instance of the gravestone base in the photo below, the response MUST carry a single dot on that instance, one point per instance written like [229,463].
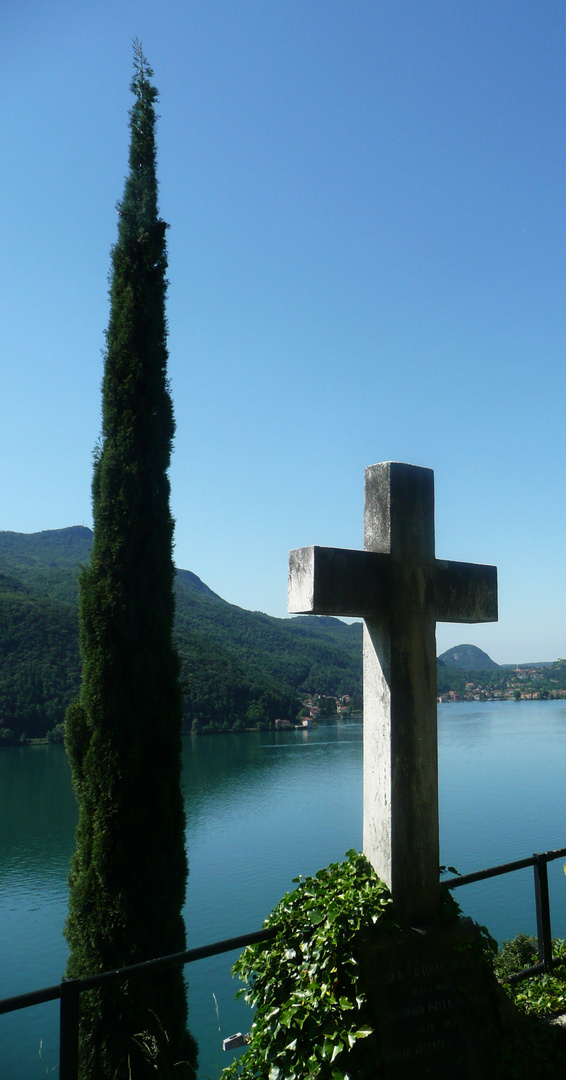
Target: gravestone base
[437,1007]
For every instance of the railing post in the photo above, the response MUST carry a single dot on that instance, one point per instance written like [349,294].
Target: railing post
[540,867]
[69,1031]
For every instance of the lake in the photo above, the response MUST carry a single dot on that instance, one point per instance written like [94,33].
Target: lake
[261,809]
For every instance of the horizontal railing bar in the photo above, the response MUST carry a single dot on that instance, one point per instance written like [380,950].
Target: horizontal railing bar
[186,957]
[35,997]
[493,871]
[536,969]
[548,856]
[526,973]
[189,956]
[504,868]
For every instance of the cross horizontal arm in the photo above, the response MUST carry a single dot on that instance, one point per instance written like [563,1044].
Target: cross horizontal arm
[337,581]
[340,581]
[464,592]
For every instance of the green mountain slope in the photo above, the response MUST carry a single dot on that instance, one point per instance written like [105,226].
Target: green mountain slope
[48,562]
[39,659]
[238,667]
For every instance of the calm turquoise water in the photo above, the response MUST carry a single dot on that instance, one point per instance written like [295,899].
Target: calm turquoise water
[262,809]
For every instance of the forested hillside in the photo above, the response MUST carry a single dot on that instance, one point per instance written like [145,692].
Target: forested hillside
[239,668]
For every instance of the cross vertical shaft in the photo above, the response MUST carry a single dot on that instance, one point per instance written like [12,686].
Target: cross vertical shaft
[400,772]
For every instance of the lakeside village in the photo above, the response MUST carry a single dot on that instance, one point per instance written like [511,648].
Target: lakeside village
[525,682]
[535,682]
[315,707]
[532,682]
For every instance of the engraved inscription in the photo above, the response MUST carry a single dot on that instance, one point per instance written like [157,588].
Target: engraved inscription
[433,1012]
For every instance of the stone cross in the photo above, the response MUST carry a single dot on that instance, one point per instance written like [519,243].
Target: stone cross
[401,590]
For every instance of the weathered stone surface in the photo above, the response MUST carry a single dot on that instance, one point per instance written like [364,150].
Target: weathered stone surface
[437,1008]
[400,589]
[338,581]
[341,581]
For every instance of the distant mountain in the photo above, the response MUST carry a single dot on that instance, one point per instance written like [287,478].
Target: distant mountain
[467,658]
[238,667]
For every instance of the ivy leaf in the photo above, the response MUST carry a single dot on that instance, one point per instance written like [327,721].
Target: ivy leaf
[327,1048]
[338,1047]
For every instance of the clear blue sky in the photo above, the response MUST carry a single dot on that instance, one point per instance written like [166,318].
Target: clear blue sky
[367,262]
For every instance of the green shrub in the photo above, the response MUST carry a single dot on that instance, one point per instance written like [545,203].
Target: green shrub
[540,995]
[312,1017]
[521,952]
[57,734]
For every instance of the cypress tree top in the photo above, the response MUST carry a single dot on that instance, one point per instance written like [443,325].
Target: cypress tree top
[129,871]
[137,414]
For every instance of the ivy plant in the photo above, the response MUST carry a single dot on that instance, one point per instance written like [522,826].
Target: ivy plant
[312,1017]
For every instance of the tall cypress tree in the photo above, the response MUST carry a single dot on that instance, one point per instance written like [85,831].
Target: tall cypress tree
[123,734]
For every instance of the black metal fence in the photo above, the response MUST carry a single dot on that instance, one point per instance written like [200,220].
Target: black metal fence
[69,991]
[539,864]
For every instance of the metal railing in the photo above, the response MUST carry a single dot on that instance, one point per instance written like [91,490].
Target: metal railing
[539,863]
[69,991]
